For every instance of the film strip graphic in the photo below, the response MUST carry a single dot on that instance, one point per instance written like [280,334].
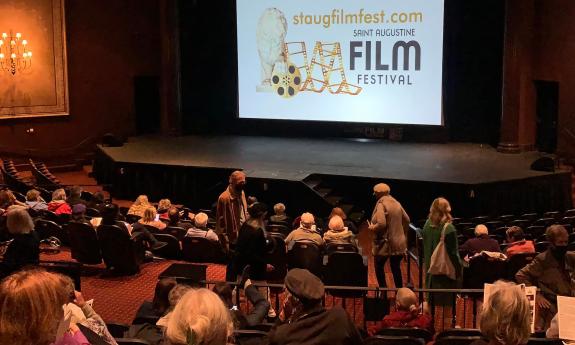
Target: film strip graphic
[330,63]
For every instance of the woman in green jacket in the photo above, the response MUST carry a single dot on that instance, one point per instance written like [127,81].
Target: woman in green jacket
[440,216]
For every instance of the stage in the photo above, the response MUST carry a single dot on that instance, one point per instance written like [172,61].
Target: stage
[193,170]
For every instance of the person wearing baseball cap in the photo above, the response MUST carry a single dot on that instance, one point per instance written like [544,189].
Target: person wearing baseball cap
[304,320]
[389,222]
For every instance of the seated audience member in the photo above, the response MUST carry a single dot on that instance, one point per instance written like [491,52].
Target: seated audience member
[173,298]
[251,244]
[163,207]
[260,305]
[551,272]
[139,206]
[407,313]
[505,317]
[280,215]
[58,204]
[337,232]
[201,318]
[79,214]
[35,201]
[75,196]
[25,247]
[150,218]
[8,200]
[303,319]
[98,200]
[251,200]
[174,219]
[481,242]
[305,232]
[83,316]
[32,310]
[200,228]
[110,217]
[517,242]
[337,211]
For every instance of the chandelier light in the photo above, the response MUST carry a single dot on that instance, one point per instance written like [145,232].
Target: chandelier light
[14,53]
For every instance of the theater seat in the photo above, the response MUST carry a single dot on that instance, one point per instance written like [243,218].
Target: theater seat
[414,332]
[459,332]
[277,257]
[456,340]
[121,254]
[250,337]
[305,255]
[345,269]
[392,340]
[48,228]
[199,249]
[171,250]
[517,262]
[84,243]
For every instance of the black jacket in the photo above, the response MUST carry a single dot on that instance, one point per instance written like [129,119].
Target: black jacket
[251,250]
[317,326]
[23,250]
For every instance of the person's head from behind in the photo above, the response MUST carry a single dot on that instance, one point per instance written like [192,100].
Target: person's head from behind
[109,214]
[161,302]
[141,200]
[174,216]
[307,220]
[164,205]
[381,189]
[225,292]
[99,197]
[279,209]
[200,317]
[31,307]
[201,220]
[7,198]
[337,211]
[304,289]
[78,212]
[481,230]
[238,180]
[33,195]
[18,221]
[406,300]
[258,210]
[558,237]
[75,192]
[336,224]
[506,318]
[59,195]
[440,211]
[149,214]
[514,234]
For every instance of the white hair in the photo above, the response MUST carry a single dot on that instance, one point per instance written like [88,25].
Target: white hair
[200,315]
[506,318]
[480,230]
[307,220]
[201,220]
[336,223]
[18,221]
[279,208]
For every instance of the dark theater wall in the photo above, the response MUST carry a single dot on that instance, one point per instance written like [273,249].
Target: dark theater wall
[554,60]
[108,43]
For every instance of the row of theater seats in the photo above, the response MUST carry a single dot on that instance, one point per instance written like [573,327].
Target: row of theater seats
[43,180]
[388,336]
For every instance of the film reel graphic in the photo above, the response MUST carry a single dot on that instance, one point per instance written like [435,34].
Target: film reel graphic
[286,79]
[330,62]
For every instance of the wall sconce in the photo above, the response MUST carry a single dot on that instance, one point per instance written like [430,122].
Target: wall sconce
[14,53]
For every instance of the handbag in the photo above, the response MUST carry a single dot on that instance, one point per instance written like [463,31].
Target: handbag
[440,263]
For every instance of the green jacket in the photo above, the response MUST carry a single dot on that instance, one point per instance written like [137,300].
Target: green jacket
[431,236]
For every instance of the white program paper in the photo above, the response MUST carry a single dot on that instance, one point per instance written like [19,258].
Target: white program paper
[566,317]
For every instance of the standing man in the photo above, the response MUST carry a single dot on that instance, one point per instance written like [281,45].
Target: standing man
[232,208]
[389,223]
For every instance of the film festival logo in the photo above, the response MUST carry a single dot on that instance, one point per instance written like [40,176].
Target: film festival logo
[279,73]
